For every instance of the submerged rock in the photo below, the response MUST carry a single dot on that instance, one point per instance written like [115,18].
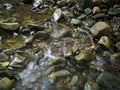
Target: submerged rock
[91,86]
[115,59]
[3,57]
[108,81]
[118,45]
[9,26]
[6,84]
[100,29]
[114,11]
[85,57]
[12,43]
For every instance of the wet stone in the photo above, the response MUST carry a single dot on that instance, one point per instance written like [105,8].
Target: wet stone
[75,21]
[100,15]
[57,14]
[115,59]
[114,11]
[104,40]
[12,43]
[55,61]
[74,80]
[90,85]
[87,11]
[17,59]
[108,81]
[37,25]
[100,29]
[6,84]
[43,34]
[68,14]
[3,57]
[118,45]
[50,70]
[9,26]
[96,10]
[61,73]
[85,57]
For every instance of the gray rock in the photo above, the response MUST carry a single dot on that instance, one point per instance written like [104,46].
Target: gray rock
[104,40]
[74,80]
[61,73]
[108,81]
[100,15]
[114,11]
[62,2]
[115,59]
[87,11]
[9,26]
[56,61]
[6,84]
[85,57]
[43,34]
[3,57]
[118,45]
[68,14]
[37,25]
[90,85]
[100,29]
[75,21]
[57,14]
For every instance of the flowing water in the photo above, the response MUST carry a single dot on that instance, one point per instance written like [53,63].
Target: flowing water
[35,71]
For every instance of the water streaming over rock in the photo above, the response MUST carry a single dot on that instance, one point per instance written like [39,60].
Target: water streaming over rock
[35,71]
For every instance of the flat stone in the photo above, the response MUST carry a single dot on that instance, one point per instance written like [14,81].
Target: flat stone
[9,26]
[114,11]
[100,29]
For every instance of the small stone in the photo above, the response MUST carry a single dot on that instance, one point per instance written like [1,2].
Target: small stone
[108,80]
[115,59]
[75,21]
[74,80]
[6,84]
[118,45]
[68,14]
[91,86]
[95,10]
[85,57]
[100,29]
[57,14]
[61,73]
[104,40]
[9,26]
[87,11]
[3,57]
